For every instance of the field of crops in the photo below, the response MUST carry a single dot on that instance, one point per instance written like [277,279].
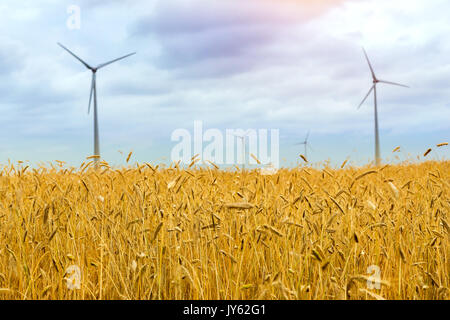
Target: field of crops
[152,233]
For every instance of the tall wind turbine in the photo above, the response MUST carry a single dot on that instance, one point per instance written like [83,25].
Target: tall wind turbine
[306,144]
[94,93]
[374,89]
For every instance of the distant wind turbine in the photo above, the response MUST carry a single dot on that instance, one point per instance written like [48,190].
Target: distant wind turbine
[242,137]
[374,89]
[306,144]
[94,93]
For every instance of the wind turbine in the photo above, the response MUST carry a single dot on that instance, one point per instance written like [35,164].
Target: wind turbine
[374,89]
[242,137]
[94,93]
[306,144]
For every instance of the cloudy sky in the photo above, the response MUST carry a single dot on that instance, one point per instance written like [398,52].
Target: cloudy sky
[262,64]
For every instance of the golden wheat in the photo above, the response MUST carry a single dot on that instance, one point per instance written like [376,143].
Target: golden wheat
[154,233]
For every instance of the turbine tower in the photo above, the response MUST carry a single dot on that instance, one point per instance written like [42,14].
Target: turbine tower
[374,89]
[306,144]
[94,94]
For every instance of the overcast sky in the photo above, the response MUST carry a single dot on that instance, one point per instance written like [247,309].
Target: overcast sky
[286,65]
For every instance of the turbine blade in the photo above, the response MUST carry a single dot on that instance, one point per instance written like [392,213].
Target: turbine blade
[75,56]
[393,83]
[370,65]
[366,96]
[310,147]
[91,94]
[112,61]
[299,144]
[307,136]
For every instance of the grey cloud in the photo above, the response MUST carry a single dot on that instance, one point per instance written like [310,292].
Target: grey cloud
[104,3]
[181,17]
[228,43]
[230,33]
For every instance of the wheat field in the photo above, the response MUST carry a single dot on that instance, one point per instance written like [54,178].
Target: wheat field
[145,232]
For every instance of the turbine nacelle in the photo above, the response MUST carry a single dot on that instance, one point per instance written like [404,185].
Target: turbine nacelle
[94,69]
[375,81]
